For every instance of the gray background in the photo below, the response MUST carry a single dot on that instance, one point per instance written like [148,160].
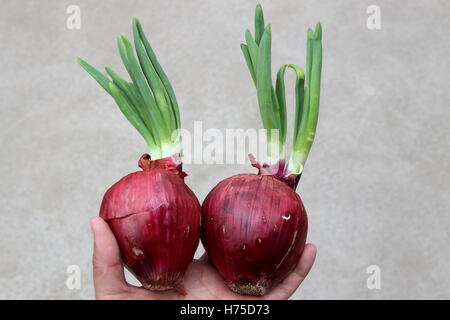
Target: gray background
[376,183]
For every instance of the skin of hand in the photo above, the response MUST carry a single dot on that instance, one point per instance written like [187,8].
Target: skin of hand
[201,280]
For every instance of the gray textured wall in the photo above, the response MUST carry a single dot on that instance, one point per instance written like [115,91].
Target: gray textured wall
[377,181]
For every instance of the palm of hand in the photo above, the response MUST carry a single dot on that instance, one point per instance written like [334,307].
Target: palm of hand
[201,280]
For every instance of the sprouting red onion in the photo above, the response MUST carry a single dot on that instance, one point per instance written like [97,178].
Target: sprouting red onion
[155,218]
[254,229]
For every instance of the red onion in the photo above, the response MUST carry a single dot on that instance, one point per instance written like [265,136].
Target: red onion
[155,219]
[255,226]
[154,216]
[254,230]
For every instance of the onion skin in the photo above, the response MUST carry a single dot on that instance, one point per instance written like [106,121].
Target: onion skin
[155,218]
[254,230]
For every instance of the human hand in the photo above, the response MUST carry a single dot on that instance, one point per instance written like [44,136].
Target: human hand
[201,280]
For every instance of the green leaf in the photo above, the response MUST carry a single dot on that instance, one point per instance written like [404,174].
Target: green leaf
[139,79]
[252,48]
[123,85]
[309,53]
[304,115]
[259,23]
[281,97]
[315,79]
[310,112]
[148,101]
[130,114]
[264,83]
[153,80]
[299,99]
[162,75]
[248,60]
[97,75]
[134,98]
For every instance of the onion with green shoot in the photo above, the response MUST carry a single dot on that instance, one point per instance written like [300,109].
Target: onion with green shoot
[153,214]
[254,226]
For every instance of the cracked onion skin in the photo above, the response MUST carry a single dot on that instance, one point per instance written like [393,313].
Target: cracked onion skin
[254,230]
[155,218]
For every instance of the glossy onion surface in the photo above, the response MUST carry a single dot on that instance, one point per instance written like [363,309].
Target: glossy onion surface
[254,230]
[155,218]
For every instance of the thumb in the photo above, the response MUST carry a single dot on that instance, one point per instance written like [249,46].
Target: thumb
[109,278]
[289,285]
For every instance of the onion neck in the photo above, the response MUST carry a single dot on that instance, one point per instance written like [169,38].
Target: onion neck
[278,170]
[172,164]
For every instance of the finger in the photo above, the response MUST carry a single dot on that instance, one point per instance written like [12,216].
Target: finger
[289,285]
[109,278]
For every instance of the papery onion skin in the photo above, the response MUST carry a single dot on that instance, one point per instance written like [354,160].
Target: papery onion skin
[254,230]
[155,218]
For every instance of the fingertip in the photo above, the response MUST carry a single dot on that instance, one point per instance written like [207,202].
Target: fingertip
[94,222]
[98,226]
[311,248]
[307,259]
[309,253]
